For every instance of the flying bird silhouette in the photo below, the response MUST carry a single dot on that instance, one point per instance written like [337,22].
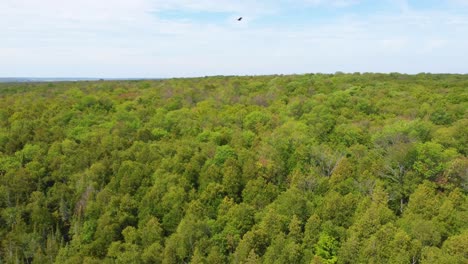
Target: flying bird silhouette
[239,19]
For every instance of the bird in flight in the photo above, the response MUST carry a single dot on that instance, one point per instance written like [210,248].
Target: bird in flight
[239,19]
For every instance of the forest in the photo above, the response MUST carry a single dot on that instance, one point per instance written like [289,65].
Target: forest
[311,168]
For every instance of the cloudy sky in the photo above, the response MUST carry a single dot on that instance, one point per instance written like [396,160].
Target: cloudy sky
[176,38]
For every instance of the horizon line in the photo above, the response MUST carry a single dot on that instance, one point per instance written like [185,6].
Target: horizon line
[58,79]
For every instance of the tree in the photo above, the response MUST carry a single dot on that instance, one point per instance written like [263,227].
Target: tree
[397,172]
[372,215]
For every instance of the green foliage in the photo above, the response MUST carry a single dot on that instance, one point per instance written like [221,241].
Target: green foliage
[326,248]
[223,153]
[314,168]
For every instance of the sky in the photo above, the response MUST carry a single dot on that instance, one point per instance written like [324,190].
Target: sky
[185,38]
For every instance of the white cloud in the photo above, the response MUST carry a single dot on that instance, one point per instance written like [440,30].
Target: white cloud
[393,45]
[459,2]
[214,6]
[402,4]
[334,3]
[123,38]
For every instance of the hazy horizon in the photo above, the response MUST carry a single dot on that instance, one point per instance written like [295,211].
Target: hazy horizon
[80,78]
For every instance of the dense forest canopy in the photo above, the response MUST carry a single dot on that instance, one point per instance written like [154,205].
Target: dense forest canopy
[315,168]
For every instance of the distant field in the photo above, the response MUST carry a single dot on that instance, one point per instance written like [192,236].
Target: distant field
[13,80]
[23,80]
